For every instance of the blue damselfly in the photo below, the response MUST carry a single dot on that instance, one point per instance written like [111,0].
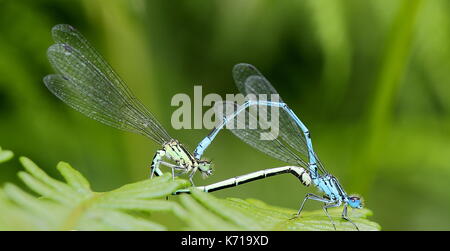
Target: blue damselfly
[292,144]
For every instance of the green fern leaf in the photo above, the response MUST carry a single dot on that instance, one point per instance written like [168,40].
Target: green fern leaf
[5,155]
[72,205]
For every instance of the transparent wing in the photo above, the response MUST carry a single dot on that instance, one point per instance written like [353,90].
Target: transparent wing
[250,81]
[289,130]
[88,84]
[242,71]
[258,136]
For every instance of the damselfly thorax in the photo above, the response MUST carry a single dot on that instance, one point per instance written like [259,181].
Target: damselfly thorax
[183,160]
[330,186]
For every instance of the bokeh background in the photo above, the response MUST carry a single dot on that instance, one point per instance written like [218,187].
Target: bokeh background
[369,78]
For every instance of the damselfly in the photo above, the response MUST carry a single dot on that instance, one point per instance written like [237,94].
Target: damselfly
[87,83]
[292,144]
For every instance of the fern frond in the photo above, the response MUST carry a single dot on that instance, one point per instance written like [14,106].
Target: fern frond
[5,155]
[72,205]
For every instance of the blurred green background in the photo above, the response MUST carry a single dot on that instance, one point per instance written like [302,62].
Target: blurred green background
[369,78]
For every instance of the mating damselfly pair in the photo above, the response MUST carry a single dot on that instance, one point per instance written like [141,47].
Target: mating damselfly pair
[87,83]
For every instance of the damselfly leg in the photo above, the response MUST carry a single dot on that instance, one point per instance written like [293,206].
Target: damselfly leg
[328,204]
[345,216]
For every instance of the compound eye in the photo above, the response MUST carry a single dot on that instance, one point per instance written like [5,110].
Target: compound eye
[354,199]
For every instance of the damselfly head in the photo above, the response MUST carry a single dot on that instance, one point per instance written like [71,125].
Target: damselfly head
[355,202]
[205,167]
